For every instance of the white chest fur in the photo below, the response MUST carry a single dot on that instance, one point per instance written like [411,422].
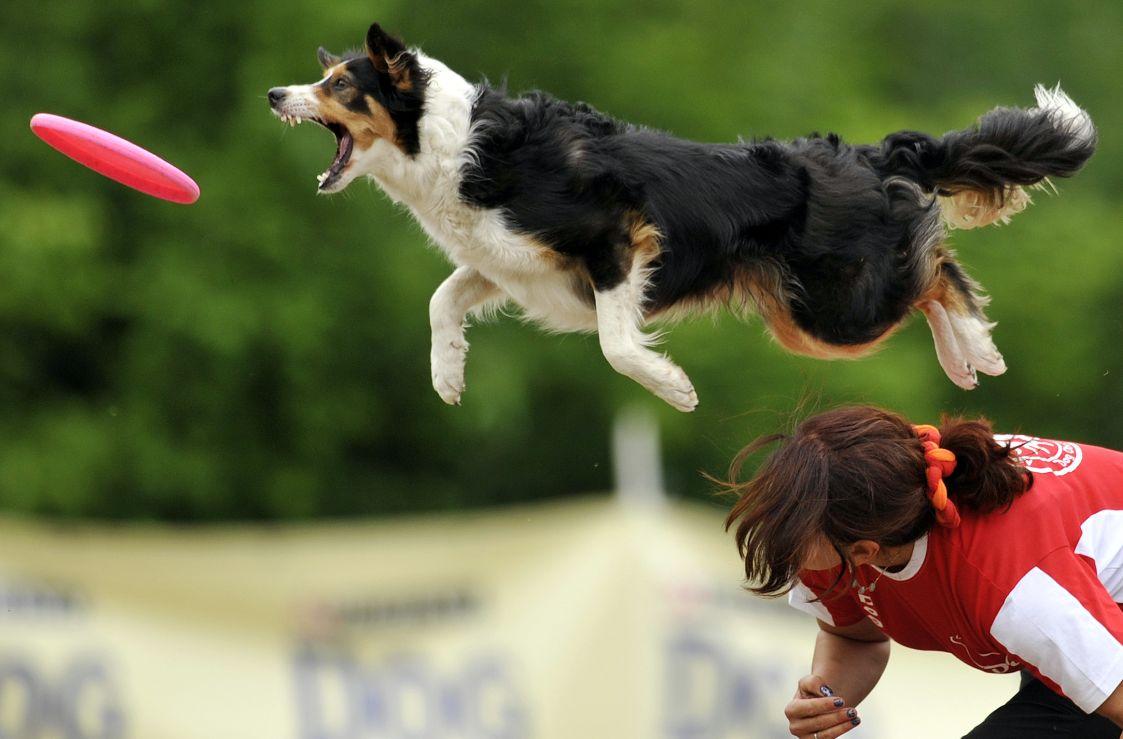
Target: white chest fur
[521,267]
[428,184]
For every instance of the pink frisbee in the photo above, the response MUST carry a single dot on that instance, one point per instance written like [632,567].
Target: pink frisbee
[115,158]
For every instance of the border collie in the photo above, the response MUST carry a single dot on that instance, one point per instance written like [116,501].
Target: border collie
[588,223]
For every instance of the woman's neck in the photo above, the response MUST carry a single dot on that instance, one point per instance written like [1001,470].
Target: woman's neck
[894,558]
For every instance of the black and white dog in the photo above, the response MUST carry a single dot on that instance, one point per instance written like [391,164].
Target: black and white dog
[588,223]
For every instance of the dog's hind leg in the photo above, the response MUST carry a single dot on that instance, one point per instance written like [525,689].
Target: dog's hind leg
[619,317]
[462,292]
[960,327]
[625,347]
[964,300]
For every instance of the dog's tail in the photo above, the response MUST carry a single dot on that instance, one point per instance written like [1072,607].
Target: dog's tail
[980,172]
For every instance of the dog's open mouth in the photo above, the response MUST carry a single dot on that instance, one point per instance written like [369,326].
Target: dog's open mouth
[343,146]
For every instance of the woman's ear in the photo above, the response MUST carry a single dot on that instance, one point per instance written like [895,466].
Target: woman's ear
[863,552]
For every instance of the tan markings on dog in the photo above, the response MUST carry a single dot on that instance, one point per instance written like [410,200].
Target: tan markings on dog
[739,295]
[551,256]
[364,128]
[941,288]
[950,295]
[966,209]
[768,291]
[645,238]
[789,335]
[645,242]
[399,72]
[763,290]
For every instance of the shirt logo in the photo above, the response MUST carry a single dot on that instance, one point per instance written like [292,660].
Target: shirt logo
[1044,456]
[999,668]
[871,612]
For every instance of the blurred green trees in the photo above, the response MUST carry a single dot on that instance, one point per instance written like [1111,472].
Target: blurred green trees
[264,353]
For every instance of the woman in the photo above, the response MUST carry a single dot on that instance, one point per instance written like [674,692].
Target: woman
[1006,552]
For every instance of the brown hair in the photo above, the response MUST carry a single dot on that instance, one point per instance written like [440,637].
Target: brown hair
[857,473]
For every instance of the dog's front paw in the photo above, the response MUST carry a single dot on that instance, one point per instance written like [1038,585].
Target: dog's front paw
[446,362]
[675,388]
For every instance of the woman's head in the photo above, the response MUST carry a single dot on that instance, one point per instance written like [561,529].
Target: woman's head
[851,476]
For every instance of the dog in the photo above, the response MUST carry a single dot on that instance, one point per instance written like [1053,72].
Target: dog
[588,223]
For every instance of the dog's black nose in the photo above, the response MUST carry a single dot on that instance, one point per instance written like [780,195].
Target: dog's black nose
[276,95]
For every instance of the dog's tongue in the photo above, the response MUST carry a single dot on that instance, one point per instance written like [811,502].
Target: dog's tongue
[342,156]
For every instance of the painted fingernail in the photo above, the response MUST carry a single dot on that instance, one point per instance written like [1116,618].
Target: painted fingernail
[852,713]
[855,721]
[826,691]
[839,703]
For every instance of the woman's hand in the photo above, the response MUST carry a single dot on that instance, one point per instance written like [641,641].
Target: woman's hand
[815,712]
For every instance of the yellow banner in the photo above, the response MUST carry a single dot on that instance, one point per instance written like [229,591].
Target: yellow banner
[588,619]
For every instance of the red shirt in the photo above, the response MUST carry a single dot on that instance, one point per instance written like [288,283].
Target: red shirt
[1035,587]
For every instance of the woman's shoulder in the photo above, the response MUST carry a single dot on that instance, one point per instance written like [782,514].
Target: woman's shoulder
[1072,483]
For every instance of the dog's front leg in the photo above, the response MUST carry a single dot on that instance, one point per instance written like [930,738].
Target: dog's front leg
[464,290]
[619,312]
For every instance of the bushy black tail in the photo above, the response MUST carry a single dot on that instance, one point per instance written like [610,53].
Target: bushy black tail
[1008,148]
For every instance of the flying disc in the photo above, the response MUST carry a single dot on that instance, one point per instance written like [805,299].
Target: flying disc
[115,158]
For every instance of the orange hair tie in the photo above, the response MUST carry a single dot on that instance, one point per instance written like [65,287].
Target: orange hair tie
[940,463]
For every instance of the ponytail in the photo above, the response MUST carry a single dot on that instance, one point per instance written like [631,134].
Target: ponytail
[987,476]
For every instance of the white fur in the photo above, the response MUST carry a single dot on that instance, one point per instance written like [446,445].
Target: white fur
[963,345]
[300,103]
[972,333]
[464,291]
[948,350]
[1065,114]
[968,209]
[625,346]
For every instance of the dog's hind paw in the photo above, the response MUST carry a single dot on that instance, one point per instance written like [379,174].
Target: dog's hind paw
[676,390]
[990,363]
[962,374]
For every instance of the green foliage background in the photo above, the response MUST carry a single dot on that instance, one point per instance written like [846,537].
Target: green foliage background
[264,353]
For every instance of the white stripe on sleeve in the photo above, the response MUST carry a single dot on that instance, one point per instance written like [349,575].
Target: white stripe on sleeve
[1101,540]
[1045,625]
[801,598]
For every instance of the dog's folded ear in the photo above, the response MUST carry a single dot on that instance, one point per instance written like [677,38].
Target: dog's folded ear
[326,58]
[390,56]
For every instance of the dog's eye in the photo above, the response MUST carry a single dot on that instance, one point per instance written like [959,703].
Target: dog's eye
[341,83]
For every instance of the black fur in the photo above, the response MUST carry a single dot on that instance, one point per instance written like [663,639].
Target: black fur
[373,76]
[1008,147]
[835,222]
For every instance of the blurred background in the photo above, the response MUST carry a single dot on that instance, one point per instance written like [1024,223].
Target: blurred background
[232,504]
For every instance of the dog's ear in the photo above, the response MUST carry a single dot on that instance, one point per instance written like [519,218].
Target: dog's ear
[390,56]
[326,58]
